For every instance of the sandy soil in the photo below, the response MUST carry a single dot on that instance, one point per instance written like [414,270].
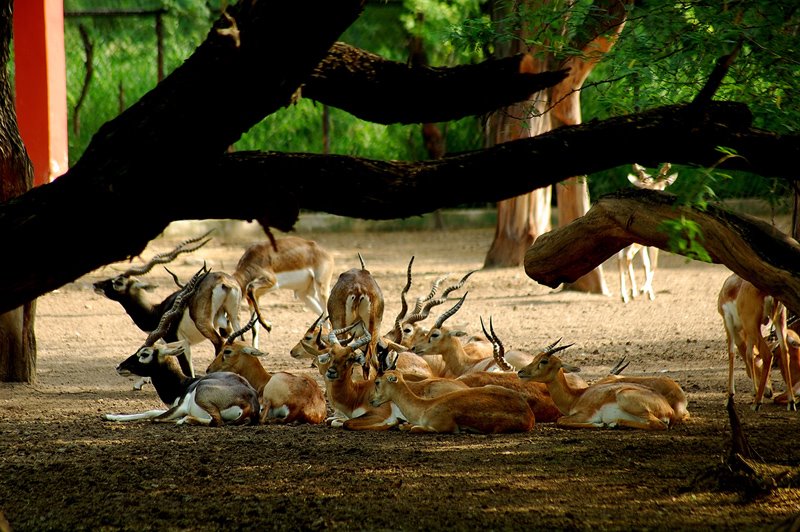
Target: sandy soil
[62,467]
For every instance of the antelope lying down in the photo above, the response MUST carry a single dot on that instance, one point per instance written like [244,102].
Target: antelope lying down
[214,305]
[284,397]
[216,399]
[603,404]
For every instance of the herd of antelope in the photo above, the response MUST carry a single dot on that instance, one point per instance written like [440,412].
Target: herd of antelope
[420,379]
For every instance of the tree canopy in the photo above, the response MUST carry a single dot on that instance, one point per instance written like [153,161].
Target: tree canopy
[165,159]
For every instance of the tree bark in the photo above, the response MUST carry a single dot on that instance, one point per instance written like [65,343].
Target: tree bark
[749,247]
[17,339]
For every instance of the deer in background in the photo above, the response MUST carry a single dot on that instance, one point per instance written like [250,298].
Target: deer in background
[213,307]
[290,263]
[641,179]
[745,309]
[215,399]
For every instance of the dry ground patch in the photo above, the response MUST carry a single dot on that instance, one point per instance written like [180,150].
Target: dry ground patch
[63,468]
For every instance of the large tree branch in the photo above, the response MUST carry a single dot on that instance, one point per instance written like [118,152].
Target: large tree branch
[271,187]
[748,246]
[386,92]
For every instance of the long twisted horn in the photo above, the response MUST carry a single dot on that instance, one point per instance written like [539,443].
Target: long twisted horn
[458,285]
[434,288]
[450,312]
[163,258]
[426,310]
[396,332]
[178,306]
[498,351]
[250,324]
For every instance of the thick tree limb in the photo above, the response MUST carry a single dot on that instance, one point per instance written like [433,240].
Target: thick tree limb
[163,159]
[387,92]
[753,249]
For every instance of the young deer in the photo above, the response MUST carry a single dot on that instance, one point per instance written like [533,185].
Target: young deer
[642,179]
[290,263]
[484,410]
[284,397]
[213,307]
[600,405]
[217,399]
[745,309]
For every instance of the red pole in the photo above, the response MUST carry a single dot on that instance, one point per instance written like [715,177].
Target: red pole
[41,85]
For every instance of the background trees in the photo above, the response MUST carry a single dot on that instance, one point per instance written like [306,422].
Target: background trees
[169,149]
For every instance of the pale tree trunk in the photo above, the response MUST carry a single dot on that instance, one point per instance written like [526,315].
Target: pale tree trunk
[511,241]
[17,340]
[520,220]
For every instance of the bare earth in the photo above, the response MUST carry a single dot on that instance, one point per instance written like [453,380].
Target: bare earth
[62,467]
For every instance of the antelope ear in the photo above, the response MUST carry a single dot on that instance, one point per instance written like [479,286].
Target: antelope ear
[252,351]
[144,286]
[172,349]
[569,368]
[395,346]
[310,349]
[671,179]
[635,181]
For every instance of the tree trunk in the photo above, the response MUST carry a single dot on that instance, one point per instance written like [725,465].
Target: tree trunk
[17,339]
[510,242]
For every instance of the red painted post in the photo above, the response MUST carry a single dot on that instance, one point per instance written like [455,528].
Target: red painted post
[41,85]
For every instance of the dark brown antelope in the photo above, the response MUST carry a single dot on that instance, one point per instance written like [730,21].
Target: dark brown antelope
[216,399]
[214,306]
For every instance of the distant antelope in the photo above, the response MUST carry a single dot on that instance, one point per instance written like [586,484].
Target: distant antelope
[642,179]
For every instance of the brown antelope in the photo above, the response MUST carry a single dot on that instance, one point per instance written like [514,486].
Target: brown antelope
[349,398]
[446,342]
[793,345]
[214,306]
[642,179]
[356,299]
[745,309]
[284,397]
[484,410]
[291,263]
[600,405]
[216,399]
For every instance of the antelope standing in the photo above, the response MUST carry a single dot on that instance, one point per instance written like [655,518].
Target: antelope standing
[292,263]
[745,309]
[642,179]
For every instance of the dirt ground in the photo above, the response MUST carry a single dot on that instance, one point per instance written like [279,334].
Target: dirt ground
[62,467]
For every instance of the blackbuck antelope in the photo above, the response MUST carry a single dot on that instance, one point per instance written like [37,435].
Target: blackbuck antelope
[446,342]
[745,309]
[213,400]
[292,263]
[213,307]
[356,299]
[641,179]
[349,398]
[612,404]
[484,410]
[284,397]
